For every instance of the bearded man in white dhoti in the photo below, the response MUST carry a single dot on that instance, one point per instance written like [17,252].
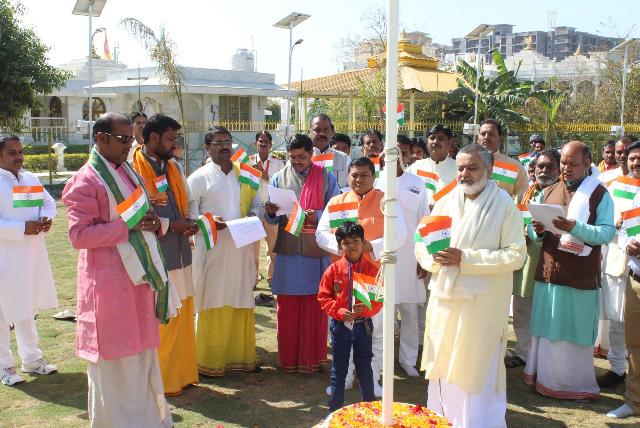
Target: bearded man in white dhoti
[468,312]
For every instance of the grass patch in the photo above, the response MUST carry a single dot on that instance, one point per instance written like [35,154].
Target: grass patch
[268,399]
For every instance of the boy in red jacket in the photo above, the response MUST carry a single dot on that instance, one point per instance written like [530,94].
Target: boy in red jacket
[350,324]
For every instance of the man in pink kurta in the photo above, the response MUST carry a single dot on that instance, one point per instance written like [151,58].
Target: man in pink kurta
[117,329]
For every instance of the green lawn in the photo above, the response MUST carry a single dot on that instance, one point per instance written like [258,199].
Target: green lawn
[268,399]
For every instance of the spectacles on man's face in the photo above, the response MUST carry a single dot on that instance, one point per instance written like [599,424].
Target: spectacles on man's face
[221,143]
[124,139]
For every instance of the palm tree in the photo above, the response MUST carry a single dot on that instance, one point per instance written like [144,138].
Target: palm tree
[498,97]
[161,49]
[551,102]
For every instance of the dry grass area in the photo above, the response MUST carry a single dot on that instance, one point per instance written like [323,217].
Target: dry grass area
[268,399]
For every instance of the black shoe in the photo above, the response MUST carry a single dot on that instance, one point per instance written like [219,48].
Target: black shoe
[610,379]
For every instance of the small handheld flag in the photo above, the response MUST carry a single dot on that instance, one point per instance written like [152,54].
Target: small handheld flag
[435,232]
[207,226]
[625,187]
[162,185]
[430,179]
[296,220]
[325,161]
[400,111]
[240,156]
[376,164]
[341,213]
[28,196]
[631,221]
[134,207]
[526,215]
[504,172]
[250,176]
[524,159]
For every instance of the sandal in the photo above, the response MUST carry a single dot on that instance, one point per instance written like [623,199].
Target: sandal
[513,361]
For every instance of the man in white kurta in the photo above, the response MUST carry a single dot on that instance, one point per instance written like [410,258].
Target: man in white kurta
[439,161]
[27,283]
[411,295]
[468,311]
[223,277]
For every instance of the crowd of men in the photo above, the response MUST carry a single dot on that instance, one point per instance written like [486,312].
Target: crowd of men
[163,299]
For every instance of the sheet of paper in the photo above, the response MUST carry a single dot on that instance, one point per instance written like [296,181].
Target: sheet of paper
[245,231]
[283,198]
[545,214]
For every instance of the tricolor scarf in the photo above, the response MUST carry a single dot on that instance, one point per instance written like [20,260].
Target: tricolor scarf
[140,255]
[247,193]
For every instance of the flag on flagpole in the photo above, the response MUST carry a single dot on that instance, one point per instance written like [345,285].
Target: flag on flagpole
[240,156]
[430,179]
[296,220]
[526,215]
[376,165]
[107,51]
[207,226]
[28,196]
[625,187]
[435,232]
[134,207]
[524,158]
[505,172]
[162,185]
[325,161]
[249,175]
[445,190]
[341,213]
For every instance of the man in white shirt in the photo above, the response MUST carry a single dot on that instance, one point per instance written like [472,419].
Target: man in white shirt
[321,131]
[439,161]
[269,165]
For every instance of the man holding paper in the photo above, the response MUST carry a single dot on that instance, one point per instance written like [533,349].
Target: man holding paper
[472,243]
[301,324]
[167,189]
[560,360]
[26,210]
[224,275]
[122,283]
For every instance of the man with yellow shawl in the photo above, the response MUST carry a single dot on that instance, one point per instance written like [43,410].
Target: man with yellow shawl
[167,189]
[223,275]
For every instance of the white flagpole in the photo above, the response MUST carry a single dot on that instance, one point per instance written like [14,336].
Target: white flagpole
[390,208]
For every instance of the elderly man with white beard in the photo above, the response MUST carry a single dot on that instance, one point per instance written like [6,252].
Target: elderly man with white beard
[468,311]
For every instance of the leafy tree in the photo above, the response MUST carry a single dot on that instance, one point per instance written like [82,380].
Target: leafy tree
[498,98]
[25,73]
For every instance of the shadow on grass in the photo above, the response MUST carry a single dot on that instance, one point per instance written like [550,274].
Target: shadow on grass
[66,389]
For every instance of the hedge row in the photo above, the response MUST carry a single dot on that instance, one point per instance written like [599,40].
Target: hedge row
[43,150]
[39,163]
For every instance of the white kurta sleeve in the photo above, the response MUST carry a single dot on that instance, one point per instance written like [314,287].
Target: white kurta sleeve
[194,197]
[324,237]
[49,209]
[401,235]
[509,257]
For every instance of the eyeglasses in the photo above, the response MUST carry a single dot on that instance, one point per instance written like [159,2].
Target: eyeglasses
[124,139]
[221,143]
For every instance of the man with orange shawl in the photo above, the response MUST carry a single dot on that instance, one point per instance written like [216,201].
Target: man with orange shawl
[167,191]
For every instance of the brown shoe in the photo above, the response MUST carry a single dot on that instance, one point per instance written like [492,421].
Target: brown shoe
[610,379]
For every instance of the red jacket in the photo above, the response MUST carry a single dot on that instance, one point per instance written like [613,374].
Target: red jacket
[333,293]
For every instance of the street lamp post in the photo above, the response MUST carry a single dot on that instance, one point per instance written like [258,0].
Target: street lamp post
[289,22]
[90,8]
[624,49]
[479,32]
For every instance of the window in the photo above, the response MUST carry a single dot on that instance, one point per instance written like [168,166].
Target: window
[98,108]
[55,107]
[234,108]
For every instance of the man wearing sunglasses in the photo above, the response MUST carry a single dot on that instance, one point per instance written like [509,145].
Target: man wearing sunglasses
[122,283]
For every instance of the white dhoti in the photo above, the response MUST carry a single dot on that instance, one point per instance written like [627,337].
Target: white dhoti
[565,372]
[128,392]
[466,410]
[612,309]
[409,336]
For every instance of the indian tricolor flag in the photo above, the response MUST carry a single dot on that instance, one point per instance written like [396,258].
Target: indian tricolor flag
[249,175]
[400,116]
[364,288]
[435,232]
[526,215]
[376,165]
[524,158]
[625,187]
[208,228]
[504,172]
[445,190]
[430,179]
[296,219]
[340,213]
[162,185]
[631,221]
[240,156]
[28,196]
[134,207]
[325,161]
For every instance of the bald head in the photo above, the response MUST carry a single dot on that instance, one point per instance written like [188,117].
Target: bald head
[575,160]
[113,136]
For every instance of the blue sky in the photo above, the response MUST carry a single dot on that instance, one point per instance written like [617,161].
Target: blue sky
[207,32]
